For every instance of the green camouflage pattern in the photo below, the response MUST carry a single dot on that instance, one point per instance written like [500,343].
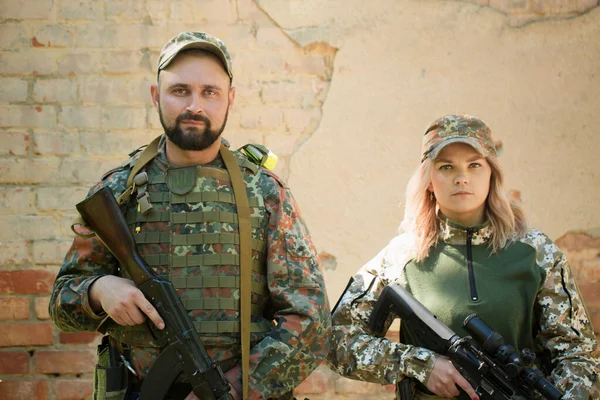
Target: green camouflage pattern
[565,328]
[457,129]
[194,40]
[293,303]
[450,232]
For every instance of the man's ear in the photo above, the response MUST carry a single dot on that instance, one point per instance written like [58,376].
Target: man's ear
[154,94]
[231,95]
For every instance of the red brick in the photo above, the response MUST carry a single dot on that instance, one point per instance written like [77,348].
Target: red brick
[26,281]
[41,307]
[64,362]
[316,383]
[26,334]
[577,241]
[14,307]
[14,362]
[590,293]
[350,386]
[24,389]
[78,337]
[74,389]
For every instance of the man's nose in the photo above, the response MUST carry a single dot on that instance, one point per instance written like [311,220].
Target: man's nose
[195,105]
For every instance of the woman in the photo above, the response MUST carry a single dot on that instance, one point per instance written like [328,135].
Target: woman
[465,248]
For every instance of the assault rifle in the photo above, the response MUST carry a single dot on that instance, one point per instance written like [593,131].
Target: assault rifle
[494,369]
[184,352]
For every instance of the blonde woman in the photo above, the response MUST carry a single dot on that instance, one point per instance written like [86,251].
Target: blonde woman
[466,248]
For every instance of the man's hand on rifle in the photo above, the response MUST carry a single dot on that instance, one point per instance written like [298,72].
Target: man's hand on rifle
[445,378]
[122,301]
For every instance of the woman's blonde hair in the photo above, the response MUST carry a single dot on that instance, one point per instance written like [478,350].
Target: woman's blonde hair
[507,218]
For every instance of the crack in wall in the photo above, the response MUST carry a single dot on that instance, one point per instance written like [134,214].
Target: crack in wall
[315,47]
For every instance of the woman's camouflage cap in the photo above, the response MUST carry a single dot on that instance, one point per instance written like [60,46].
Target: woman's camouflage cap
[194,40]
[457,129]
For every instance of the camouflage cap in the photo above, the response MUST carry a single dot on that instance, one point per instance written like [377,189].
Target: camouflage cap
[194,40]
[457,129]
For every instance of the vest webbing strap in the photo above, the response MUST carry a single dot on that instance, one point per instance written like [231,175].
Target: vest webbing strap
[203,172]
[217,304]
[243,211]
[230,327]
[147,155]
[198,197]
[193,217]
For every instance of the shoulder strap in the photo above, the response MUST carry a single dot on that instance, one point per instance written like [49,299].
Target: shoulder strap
[147,155]
[243,210]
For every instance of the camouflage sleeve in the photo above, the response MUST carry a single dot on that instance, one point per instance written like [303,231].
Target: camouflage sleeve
[298,342]
[565,330]
[357,352]
[86,261]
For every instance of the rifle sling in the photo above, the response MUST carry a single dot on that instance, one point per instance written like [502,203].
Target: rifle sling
[243,210]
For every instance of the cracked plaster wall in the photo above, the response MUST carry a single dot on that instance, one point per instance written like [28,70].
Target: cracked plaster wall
[399,65]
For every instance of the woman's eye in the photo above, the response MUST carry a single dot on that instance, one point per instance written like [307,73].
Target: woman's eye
[446,166]
[475,165]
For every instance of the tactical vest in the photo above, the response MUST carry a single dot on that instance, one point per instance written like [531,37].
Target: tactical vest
[190,235]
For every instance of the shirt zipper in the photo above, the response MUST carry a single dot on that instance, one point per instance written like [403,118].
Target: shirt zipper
[472,285]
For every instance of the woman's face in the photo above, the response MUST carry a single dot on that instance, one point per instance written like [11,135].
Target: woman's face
[460,180]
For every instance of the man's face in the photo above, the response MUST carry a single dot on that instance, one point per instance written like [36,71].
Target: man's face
[193,100]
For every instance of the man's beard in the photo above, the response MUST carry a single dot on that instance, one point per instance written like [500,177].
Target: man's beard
[192,138]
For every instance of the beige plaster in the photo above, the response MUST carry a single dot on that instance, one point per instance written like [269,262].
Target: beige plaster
[399,65]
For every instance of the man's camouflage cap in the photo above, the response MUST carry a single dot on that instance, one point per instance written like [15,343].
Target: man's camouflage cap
[194,40]
[457,129]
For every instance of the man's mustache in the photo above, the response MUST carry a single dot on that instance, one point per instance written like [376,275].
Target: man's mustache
[194,117]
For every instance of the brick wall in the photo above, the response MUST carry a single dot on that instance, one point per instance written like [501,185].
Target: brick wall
[75,79]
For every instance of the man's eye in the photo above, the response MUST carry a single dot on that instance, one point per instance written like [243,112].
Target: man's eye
[180,91]
[210,92]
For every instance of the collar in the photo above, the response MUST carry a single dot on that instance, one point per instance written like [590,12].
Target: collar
[456,234]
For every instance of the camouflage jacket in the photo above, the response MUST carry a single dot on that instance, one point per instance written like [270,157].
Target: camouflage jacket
[562,327]
[295,298]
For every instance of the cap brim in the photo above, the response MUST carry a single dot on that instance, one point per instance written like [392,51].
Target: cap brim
[471,141]
[201,46]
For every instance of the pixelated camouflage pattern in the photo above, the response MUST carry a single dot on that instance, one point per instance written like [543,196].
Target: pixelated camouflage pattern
[565,328]
[296,301]
[194,40]
[449,232]
[457,129]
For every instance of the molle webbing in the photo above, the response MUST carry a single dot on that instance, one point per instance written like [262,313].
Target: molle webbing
[206,172]
[200,197]
[218,304]
[197,260]
[190,217]
[230,327]
[194,239]
[204,282]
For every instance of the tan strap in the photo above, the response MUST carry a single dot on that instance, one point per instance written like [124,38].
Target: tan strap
[147,155]
[243,211]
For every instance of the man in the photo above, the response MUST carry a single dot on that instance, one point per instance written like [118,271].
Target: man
[183,213]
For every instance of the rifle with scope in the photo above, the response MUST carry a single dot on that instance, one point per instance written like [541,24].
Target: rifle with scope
[184,354]
[493,368]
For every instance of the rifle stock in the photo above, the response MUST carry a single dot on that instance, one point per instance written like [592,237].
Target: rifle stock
[185,352]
